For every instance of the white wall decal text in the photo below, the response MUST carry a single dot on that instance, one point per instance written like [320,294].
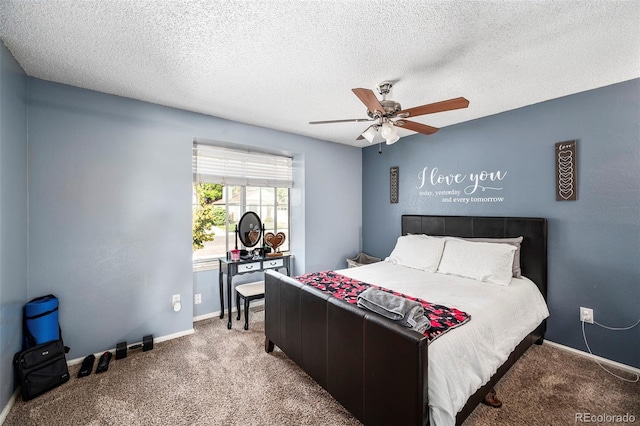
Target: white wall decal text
[481,181]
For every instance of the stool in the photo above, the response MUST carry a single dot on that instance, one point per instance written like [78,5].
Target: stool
[248,292]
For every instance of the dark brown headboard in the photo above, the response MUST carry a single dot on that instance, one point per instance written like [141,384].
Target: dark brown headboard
[533,255]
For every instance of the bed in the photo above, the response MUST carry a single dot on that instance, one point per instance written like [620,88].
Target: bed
[377,369]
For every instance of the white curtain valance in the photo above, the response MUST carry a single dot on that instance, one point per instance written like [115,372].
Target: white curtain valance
[226,166]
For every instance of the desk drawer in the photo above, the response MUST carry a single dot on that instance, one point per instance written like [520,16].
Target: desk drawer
[249,267]
[273,263]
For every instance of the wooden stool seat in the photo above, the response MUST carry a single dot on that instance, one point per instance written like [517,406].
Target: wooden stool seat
[248,292]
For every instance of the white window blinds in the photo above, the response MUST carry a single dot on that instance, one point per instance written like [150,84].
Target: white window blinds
[214,164]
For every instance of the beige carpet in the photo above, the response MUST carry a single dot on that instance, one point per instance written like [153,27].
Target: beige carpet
[223,377]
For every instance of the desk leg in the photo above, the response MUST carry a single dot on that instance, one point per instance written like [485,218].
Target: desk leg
[229,277]
[221,294]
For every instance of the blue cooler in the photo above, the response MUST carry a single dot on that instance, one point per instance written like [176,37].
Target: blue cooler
[41,321]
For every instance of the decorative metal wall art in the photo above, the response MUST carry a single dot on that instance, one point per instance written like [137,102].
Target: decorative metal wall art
[566,171]
[394,176]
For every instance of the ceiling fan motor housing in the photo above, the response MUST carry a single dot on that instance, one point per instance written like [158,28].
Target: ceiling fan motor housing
[391,108]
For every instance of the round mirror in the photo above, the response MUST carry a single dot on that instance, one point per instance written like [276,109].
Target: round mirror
[249,229]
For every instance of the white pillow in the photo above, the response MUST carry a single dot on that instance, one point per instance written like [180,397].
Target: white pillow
[488,262]
[418,252]
[516,242]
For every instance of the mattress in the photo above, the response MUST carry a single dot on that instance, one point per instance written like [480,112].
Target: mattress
[465,358]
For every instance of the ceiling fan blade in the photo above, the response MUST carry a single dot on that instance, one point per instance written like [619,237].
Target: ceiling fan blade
[359,138]
[449,105]
[349,120]
[416,127]
[369,99]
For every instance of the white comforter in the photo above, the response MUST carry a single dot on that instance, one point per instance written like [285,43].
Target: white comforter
[464,359]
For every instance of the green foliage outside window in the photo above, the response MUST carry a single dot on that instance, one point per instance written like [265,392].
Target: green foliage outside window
[219,216]
[283,195]
[205,214]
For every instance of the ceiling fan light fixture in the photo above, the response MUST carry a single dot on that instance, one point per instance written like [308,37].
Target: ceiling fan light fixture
[393,139]
[370,133]
[388,130]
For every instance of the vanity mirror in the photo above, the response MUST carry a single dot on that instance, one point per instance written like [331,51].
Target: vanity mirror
[249,229]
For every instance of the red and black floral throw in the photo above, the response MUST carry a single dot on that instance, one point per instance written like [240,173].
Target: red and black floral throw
[344,288]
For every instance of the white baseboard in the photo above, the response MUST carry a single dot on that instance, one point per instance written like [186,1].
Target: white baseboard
[7,408]
[170,336]
[209,315]
[155,340]
[594,357]
[206,316]
[217,313]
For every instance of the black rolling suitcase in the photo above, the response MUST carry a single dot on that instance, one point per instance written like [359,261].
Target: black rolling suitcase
[41,368]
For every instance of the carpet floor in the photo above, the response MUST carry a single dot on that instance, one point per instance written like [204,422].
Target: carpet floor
[224,377]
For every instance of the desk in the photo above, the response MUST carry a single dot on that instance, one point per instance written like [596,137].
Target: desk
[238,267]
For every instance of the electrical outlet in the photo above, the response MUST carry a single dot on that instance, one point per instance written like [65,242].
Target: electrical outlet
[175,299]
[586,315]
[198,299]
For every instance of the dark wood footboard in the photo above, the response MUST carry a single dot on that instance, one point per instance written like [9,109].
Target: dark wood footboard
[375,368]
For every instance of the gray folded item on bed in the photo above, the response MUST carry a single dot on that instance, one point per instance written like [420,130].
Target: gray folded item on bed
[407,313]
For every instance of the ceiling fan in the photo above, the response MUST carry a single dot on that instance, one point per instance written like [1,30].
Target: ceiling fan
[388,114]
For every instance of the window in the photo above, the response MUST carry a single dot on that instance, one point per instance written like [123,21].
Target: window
[226,184]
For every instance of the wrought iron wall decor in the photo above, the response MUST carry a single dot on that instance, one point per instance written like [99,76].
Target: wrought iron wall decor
[393,183]
[566,171]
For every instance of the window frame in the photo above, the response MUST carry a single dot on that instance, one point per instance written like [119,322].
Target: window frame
[211,262]
[244,167]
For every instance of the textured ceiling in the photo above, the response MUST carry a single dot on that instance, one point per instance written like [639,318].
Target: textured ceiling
[283,63]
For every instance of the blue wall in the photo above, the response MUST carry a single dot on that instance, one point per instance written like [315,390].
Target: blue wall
[13,214]
[110,210]
[594,242]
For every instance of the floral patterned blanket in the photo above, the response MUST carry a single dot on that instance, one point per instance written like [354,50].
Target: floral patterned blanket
[442,318]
